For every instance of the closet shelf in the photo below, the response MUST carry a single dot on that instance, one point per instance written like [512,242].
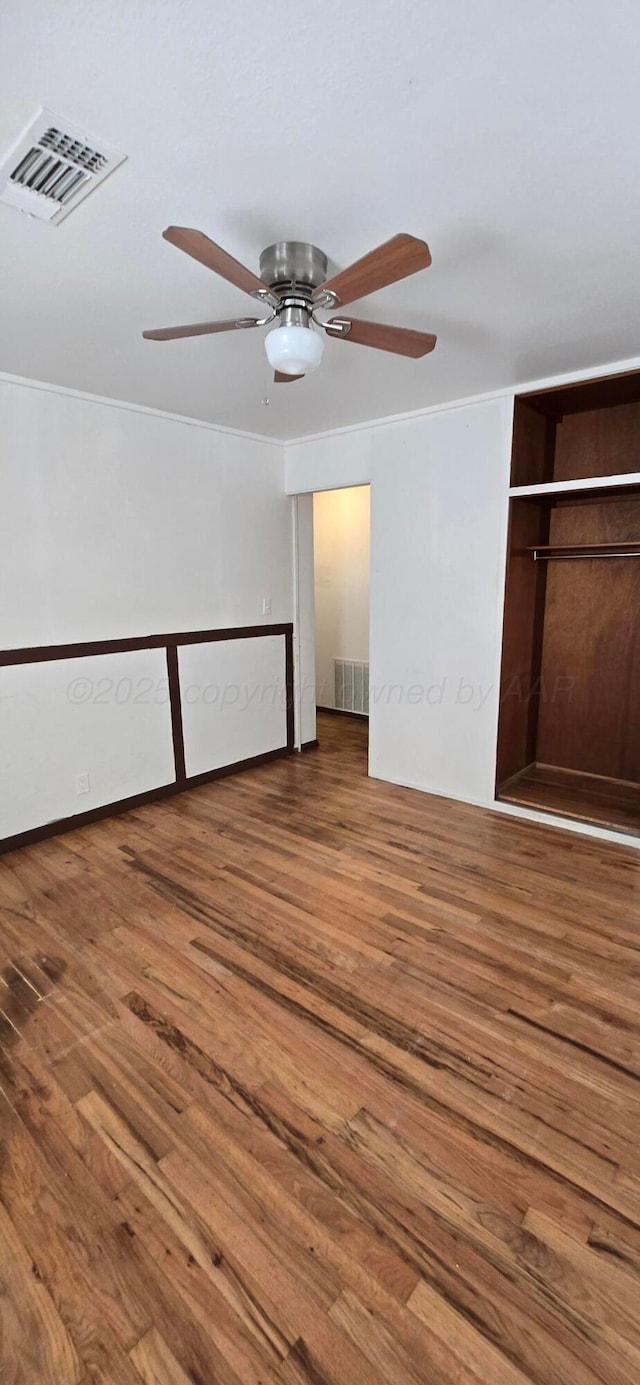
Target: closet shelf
[628,481]
[549,551]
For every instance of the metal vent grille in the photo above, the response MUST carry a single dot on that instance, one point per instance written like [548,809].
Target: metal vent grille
[51,177]
[52,168]
[74,150]
[351,686]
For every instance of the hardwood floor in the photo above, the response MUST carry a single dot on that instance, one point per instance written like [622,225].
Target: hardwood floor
[308,1078]
[589,797]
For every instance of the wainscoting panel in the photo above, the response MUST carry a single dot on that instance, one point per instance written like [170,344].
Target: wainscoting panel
[107,718]
[93,729]
[233,697]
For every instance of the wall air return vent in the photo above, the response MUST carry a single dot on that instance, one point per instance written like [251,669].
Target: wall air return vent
[53,167]
[351,686]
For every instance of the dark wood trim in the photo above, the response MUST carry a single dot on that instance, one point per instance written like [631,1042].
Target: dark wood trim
[43,653]
[171,643]
[126,805]
[69,824]
[309,745]
[173,674]
[195,780]
[340,712]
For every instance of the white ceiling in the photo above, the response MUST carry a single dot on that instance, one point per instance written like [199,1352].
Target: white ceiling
[505,133]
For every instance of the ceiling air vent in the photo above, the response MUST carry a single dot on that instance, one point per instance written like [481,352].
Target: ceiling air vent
[53,167]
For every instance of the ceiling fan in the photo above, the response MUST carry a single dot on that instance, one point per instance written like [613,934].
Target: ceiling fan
[293,285]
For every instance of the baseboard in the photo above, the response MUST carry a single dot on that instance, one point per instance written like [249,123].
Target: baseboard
[513,778]
[596,799]
[340,712]
[309,745]
[140,800]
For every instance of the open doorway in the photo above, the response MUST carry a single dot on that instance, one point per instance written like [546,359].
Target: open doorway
[341,545]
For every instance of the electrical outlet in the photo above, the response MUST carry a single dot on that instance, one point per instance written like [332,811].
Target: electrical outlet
[82,782]
[266,605]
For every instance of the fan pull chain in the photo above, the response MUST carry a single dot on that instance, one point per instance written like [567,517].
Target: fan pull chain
[265,398]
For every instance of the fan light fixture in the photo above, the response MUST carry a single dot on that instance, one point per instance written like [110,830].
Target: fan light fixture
[294,350]
[293,287]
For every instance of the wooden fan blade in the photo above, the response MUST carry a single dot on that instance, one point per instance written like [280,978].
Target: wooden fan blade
[281,378]
[196,244]
[200,329]
[401,340]
[396,259]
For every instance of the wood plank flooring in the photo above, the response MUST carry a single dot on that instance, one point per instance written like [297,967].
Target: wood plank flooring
[308,1078]
[591,798]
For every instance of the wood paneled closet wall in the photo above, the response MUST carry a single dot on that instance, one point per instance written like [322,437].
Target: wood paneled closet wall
[569,731]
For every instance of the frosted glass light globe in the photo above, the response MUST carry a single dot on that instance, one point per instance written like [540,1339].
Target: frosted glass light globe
[294,350]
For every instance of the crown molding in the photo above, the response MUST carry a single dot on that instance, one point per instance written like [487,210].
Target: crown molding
[124,404]
[384,421]
[465,401]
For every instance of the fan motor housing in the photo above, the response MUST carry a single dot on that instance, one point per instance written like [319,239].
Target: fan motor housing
[293,264]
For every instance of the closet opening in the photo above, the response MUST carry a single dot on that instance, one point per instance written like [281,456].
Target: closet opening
[341,545]
[569,729]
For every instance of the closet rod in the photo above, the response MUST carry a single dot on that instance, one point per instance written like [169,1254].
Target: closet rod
[539,557]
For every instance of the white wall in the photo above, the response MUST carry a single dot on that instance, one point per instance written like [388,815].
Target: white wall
[341,560]
[439,493]
[304,617]
[113,523]
[233,695]
[108,717]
